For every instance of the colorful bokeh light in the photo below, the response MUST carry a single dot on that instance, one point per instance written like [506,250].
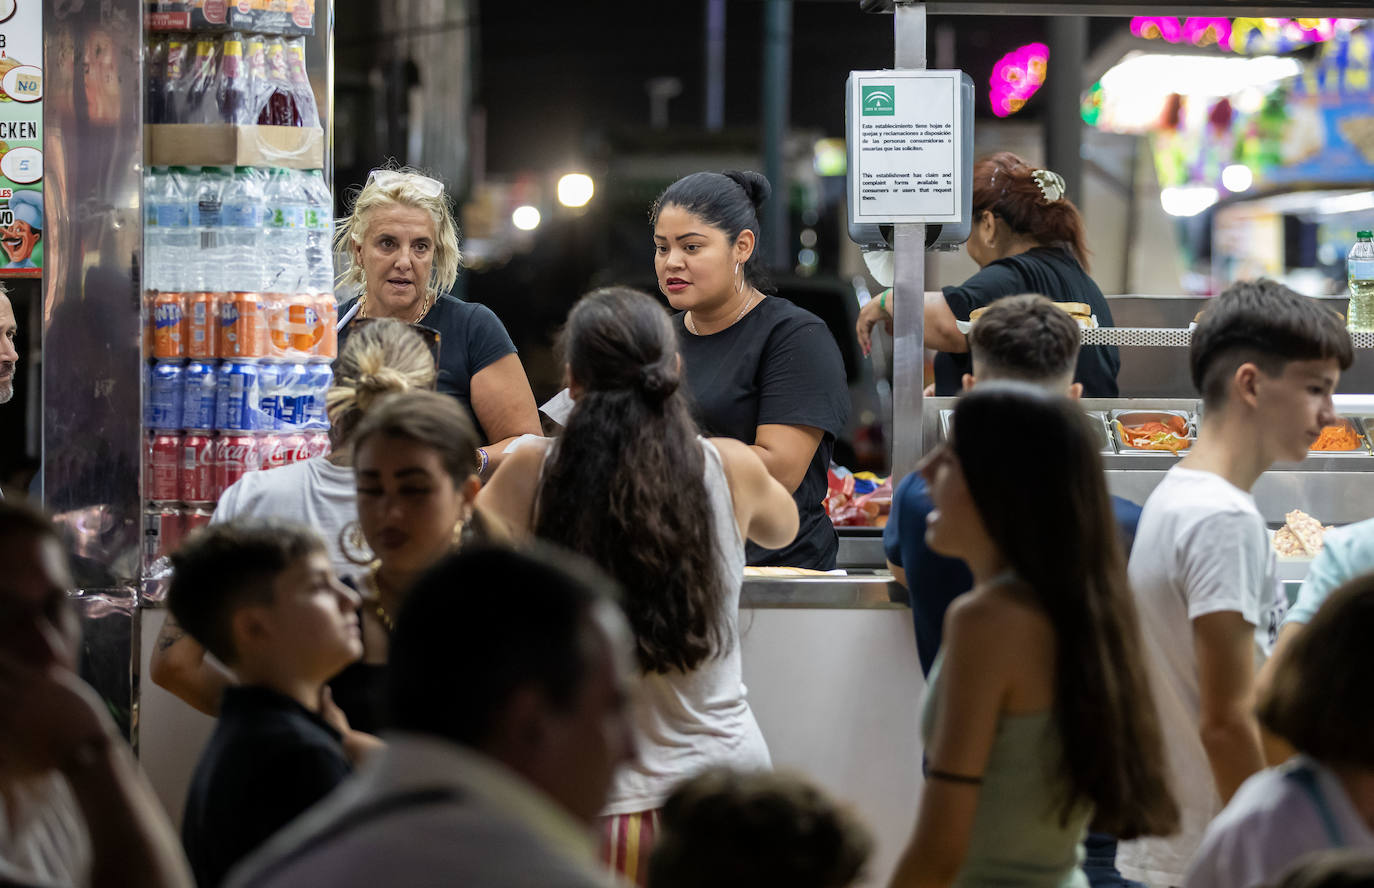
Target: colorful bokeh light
[1241,35]
[1017,76]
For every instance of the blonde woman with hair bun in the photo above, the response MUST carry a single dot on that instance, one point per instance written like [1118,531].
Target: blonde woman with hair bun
[384,357]
[402,254]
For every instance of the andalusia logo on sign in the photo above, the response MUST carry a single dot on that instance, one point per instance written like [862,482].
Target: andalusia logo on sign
[879,101]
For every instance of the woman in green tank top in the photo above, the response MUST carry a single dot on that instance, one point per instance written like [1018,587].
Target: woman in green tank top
[1038,717]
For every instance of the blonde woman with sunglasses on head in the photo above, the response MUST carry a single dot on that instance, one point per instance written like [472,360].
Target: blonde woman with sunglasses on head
[402,247]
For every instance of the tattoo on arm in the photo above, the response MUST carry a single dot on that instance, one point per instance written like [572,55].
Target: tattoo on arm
[171,633]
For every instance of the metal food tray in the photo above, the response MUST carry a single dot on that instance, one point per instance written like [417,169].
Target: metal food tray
[1097,421]
[1136,417]
[1361,424]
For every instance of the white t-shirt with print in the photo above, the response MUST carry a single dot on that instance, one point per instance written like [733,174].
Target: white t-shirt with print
[314,493]
[1201,548]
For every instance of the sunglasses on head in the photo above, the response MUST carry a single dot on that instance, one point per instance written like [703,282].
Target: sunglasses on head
[428,334]
[423,184]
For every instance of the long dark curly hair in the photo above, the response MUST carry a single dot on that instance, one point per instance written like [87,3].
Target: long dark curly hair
[624,485]
[1050,515]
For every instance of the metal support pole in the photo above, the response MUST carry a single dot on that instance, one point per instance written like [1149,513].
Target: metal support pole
[715,65]
[908,303]
[777,72]
[1064,126]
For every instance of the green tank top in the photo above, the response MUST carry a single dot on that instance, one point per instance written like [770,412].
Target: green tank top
[1017,837]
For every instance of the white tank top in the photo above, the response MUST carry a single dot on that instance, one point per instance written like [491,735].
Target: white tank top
[689,721]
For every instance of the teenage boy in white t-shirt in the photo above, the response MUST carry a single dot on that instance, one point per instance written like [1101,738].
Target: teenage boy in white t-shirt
[1266,361]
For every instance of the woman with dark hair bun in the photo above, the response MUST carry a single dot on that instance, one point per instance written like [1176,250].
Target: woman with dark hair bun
[1027,237]
[632,486]
[758,368]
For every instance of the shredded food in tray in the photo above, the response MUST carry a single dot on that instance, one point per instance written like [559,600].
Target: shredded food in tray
[1155,435]
[1337,437]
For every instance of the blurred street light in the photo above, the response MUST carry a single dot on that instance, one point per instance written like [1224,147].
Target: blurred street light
[1237,178]
[575,189]
[1187,200]
[525,218]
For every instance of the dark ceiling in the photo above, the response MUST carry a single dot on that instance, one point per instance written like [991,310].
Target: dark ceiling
[554,79]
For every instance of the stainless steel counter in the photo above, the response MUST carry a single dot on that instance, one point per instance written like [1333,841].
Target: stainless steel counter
[870,590]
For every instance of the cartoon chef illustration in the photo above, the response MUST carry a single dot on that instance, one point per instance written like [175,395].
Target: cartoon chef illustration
[23,234]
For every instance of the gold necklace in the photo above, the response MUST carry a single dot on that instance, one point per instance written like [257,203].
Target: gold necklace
[425,305]
[374,583]
[691,325]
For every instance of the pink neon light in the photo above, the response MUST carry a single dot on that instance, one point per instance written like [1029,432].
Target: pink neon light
[1237,35]
[1157,27]
[1017,76]
[1207,32]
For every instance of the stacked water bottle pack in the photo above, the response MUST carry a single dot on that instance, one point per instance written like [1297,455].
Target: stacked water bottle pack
[239,333]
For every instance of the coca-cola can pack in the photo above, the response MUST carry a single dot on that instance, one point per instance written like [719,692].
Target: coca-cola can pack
[273,450]
[163,530]
[195,519]
[316,444]
[234,456]
[162,468]
[197,486]
[295,447]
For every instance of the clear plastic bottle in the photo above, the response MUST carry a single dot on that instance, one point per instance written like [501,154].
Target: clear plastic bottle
[207,217]
[286,233]
[319,227]
[1359,269]
[152,266]
[245,257]
[170,237]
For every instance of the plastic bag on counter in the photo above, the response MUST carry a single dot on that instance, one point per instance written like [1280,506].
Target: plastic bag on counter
[862,500]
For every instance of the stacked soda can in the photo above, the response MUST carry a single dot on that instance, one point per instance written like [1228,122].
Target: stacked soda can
[236,383]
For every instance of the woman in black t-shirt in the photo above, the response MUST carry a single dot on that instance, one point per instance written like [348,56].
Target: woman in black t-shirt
[403,250]
[1027,238]
[758,368]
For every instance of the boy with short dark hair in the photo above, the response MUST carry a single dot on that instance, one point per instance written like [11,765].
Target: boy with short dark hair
[732,829]
[1266,360]
[262,598]
[1027,338]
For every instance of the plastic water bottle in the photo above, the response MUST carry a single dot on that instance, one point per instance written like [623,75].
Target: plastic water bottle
[152,268]
[286,233]
[319,227]
[245,257]
[1359,267]
[169,239]
[207,218]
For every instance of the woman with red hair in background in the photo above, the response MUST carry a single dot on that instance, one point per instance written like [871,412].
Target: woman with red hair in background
[1027,237]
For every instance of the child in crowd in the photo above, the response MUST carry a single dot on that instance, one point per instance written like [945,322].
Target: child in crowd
[756,830]
[265,601]
[1266,361]
[1322,703]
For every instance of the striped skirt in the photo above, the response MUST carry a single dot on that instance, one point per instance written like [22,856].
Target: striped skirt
[626,840]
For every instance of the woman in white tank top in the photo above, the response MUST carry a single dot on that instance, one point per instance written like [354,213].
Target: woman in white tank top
[665,512]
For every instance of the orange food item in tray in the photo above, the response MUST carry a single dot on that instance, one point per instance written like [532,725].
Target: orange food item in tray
[1156,435]
[1338,437]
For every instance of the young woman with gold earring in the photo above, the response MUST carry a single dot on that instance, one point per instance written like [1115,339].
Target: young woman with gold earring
[416,471]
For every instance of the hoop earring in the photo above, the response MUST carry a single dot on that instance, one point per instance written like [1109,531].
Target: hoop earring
[353,545]
[739,288]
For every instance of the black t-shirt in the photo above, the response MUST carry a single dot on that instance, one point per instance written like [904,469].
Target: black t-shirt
[268,760]
[1053,273]
[471,337]
[778,365]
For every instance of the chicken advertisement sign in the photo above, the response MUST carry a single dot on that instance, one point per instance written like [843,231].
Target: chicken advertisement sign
[21,138]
